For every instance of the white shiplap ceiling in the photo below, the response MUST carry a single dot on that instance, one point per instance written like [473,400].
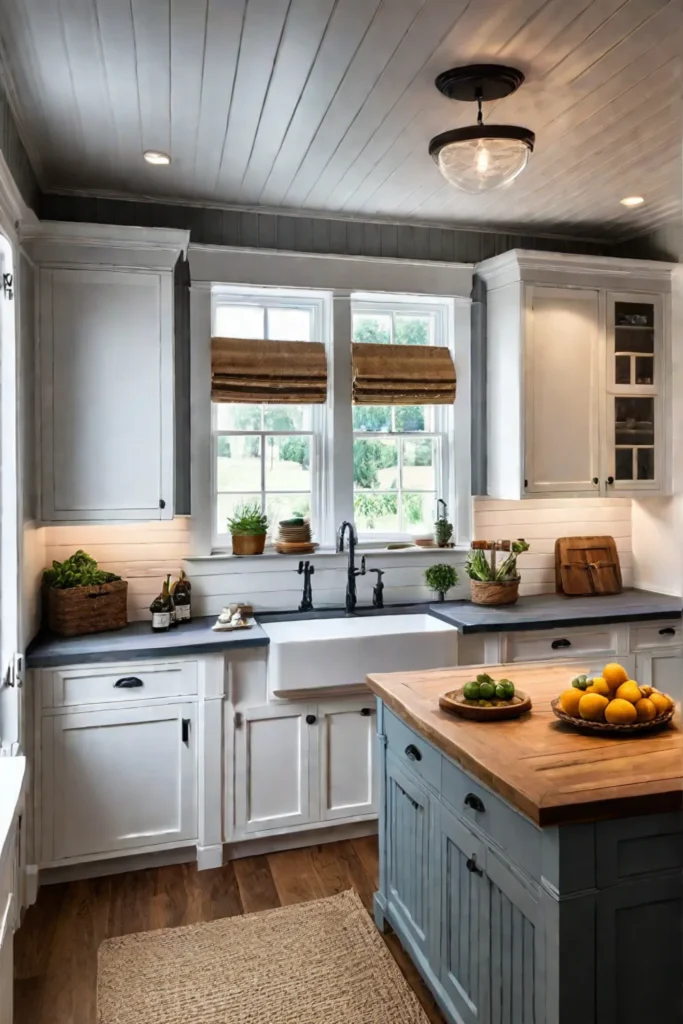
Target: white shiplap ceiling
[328,105]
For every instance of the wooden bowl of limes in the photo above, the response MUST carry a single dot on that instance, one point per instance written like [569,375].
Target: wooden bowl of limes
[486,700]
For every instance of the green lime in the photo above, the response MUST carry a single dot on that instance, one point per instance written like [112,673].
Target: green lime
[581,682]
[487,690]
[505,690]
[471,691]
[484,677]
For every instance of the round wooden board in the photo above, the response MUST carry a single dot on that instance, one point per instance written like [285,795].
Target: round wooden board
[291,548]
[606,728]
[454,702]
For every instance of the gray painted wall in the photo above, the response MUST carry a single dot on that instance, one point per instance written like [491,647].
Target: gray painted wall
[214,226]
[665,243]
[15,154]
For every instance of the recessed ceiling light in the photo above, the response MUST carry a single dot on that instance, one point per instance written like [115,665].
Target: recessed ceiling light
[155,156]
[632,201]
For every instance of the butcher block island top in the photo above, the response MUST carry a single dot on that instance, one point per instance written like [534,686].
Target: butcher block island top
[551,773]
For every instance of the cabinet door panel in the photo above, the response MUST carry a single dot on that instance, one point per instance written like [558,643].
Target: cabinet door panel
[513,971]
[123,779]
[562,359]
[662,669]
[6,959]
[348,742]
[272,747]
[106,353]
[408,841]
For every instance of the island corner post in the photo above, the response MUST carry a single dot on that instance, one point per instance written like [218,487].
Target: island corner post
[533,874]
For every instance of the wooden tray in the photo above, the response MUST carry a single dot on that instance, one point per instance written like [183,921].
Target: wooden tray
[295,547]
[587,565]
[607,728]
[455,703]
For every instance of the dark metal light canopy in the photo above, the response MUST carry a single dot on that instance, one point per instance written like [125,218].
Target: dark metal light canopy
[481,157]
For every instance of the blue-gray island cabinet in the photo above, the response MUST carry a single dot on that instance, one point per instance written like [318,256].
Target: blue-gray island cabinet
[533,873]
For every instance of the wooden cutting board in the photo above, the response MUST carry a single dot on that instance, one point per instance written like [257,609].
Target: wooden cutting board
[587,565]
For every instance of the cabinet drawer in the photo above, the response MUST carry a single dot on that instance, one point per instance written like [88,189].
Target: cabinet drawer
[411,751]
[542,645]
[101,684]
[474,803]
[657,634]
[630,848]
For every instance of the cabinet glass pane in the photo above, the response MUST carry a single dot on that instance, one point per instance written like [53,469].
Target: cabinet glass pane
[623,464]
[634,436]
[634,343]
[646,463]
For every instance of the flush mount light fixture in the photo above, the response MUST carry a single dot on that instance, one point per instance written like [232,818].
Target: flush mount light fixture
[481,157]
[156,157]
[632,201]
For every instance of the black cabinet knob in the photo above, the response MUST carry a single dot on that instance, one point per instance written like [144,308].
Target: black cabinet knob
[162,503]
[556,644]
[473,801]
[667,631]
[366,712]
[471,864]
[610,480]
[595,481]
[128,683]
[310,719]
[413,753]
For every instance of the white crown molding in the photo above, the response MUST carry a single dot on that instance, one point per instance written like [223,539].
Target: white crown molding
[14,213]
[520,265]
[115,236]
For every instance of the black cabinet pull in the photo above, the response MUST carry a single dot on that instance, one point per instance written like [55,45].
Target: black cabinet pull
[128,683]
[186,731]
[595,481]
[310,719]
[366,712]
[610,480]
[473,801]
[667,631]
[162,503]
[413,753]
[471,864]
[556,644]
[526,483]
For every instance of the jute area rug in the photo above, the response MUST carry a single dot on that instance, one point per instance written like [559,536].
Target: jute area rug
[312,963]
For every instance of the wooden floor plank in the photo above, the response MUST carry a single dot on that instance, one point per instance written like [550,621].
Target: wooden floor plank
[256,886]
[56,947]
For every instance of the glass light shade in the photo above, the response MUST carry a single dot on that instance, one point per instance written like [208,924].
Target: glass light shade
[481,165]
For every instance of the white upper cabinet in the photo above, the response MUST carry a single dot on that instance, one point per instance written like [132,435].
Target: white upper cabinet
[577,355]
[107,373]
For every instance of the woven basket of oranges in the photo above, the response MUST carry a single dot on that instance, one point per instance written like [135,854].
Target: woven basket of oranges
[613,703]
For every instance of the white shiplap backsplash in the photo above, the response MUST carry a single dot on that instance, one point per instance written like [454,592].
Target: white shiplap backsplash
[144,553]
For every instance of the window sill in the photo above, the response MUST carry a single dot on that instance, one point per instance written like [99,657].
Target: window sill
[328,552]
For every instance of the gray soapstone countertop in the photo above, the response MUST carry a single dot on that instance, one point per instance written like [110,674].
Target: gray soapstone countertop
[551,611]
[136,640]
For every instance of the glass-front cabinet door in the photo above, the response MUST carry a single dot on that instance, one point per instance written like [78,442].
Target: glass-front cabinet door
[634,388]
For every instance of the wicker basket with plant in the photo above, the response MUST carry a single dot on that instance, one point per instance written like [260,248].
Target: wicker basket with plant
[490,583]
[79,597]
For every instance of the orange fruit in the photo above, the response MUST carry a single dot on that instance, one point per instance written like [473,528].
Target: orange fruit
[599,686]
[620,712]
[569,701]
[645,710]
[614,675]
[629,691]
[661,701]
[592,707]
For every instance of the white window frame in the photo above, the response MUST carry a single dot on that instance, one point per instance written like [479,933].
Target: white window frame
[443,426]
[318,304]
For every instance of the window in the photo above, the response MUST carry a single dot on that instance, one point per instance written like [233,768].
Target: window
[400,453]
[266,455]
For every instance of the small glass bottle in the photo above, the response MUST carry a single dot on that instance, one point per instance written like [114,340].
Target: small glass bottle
[174,619]
[161,609]
[181,598]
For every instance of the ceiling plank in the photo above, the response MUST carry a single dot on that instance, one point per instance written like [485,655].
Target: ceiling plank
[189,26]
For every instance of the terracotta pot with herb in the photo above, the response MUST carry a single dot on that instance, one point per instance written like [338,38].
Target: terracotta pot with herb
[248,527]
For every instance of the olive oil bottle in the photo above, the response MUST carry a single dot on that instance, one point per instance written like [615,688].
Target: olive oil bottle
[162,609]
[174,619]
[181,598]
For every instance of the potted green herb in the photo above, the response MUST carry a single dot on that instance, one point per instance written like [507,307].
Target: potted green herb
[248,527]
[441,578]
[443,529]
[493,584]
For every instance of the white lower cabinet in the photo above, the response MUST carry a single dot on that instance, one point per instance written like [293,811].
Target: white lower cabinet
[9,920]
[272,748]
[663,669]
[347,735]
[118,780]
[301,764]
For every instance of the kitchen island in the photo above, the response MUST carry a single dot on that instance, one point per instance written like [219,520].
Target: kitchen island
[534,873]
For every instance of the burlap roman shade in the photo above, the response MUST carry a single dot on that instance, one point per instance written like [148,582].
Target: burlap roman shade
[402,375]
[282,372]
